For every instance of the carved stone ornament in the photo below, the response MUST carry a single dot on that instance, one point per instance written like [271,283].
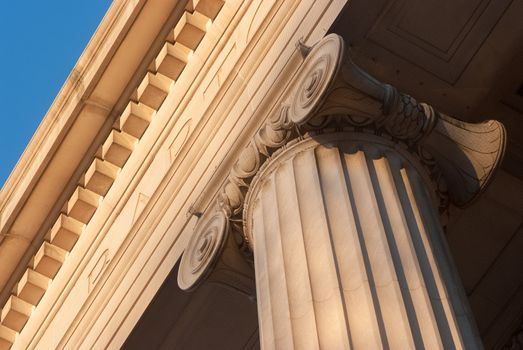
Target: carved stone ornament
[330,93]
[203,249]
[330,84]
[316,75]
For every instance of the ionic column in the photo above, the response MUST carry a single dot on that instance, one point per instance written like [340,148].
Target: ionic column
[349,252]
[340,194]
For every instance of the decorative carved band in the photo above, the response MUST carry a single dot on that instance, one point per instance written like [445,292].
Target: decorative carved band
[275,134]
[331,92]
[329,83]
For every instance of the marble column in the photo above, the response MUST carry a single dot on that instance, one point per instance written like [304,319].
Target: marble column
[339,195]
[349,252]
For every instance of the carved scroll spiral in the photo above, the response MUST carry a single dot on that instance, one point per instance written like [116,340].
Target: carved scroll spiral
[204,247]
[315,78]
[465,155]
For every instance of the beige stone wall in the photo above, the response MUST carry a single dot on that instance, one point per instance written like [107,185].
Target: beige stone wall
[178,155]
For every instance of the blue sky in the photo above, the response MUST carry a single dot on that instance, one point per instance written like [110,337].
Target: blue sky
[40,42]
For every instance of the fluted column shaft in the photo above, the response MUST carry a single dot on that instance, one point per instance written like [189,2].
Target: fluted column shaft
[349,252]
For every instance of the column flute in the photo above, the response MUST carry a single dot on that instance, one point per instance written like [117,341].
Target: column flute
[340,195]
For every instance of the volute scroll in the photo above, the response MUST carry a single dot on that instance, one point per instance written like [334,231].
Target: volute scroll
[330,84]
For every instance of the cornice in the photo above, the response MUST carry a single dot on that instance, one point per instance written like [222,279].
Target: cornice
[244,65]
[112,155]
[69,92]
[79,118]
[158,236]
[73,93]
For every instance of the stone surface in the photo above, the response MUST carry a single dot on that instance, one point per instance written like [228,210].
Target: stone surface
[211,101]
[349,251]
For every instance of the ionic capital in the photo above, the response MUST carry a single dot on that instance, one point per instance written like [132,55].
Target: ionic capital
[329,86]
[330,93]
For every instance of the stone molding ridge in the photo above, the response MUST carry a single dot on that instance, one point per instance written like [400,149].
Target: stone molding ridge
[111,157]
[330,93]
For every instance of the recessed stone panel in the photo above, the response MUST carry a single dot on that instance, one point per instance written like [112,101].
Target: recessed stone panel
[440,36]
